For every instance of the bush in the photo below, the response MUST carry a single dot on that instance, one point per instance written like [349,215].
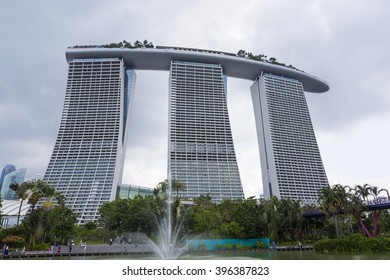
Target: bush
[353,244]
[261,245]
[40,247]
[14,241]
[242,247]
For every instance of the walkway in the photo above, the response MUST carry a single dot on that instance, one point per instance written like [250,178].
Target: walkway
[130,249]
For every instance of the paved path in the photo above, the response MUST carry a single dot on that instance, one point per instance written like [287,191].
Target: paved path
[101,249]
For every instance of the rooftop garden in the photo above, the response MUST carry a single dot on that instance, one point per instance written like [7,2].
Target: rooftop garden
[145,44]
[127,45]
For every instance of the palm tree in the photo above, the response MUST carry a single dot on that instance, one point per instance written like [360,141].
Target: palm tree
[374,192]
[33,191]
[24,191]
[176,185]
[330,202]
[362,191]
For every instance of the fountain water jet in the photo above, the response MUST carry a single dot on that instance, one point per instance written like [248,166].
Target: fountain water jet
[168,244]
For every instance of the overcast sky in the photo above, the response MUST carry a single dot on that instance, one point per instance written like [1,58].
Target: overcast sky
[345,43]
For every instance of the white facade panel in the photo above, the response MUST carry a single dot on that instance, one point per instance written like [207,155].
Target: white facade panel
[290,159]
[201,151]
[86,164]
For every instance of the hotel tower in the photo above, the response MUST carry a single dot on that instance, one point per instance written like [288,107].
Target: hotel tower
[201,151]
[87,160]
[290,159]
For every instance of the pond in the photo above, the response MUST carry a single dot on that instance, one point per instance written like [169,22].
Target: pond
[263,255]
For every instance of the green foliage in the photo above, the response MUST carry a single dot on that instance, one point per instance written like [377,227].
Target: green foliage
[261,245]
[46,224]
[40,247]
[124,44]
[347,203]
[232,229]
[206,217]
[90,226]
[19,230]
[261,57]
[281,220]
[138,214]
[353,244]
[242,247]
[14,241]
[63,221]
[34,191]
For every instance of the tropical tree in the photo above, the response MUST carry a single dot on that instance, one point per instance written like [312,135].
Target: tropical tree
[176,185]
[292,222]
[271,218]
[115,216]
[374,192]
[138,214]
[313,228]
[206,217]
[330,204]
[340,199]
[63,221]
[247,213]
[24,191]
[362,191]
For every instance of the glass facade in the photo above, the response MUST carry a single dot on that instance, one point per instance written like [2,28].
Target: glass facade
[131,191]
[15,177]
[6,170]
[201,151]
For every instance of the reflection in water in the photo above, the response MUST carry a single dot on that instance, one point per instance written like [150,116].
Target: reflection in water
[264,255]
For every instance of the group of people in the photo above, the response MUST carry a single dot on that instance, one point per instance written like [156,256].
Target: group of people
[5,249]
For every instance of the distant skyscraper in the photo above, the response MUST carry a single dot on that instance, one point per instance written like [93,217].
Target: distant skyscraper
[201,151]
[15,177]
[87,160]
[290,159]
[6,170]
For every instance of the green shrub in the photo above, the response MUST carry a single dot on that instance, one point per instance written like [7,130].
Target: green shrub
[242,247]
[202,247]
[261,245]
[14,241]
[219,247]
[40,247]
[353,244]
[229,246]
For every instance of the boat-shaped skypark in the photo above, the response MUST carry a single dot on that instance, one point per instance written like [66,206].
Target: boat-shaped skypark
[160,58]
[87,160]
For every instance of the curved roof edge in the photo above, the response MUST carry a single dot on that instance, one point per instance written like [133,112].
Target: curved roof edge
[233,66]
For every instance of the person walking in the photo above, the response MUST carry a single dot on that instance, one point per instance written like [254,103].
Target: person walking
[6,250]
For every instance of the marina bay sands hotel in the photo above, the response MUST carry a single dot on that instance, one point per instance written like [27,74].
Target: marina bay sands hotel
[87,160]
